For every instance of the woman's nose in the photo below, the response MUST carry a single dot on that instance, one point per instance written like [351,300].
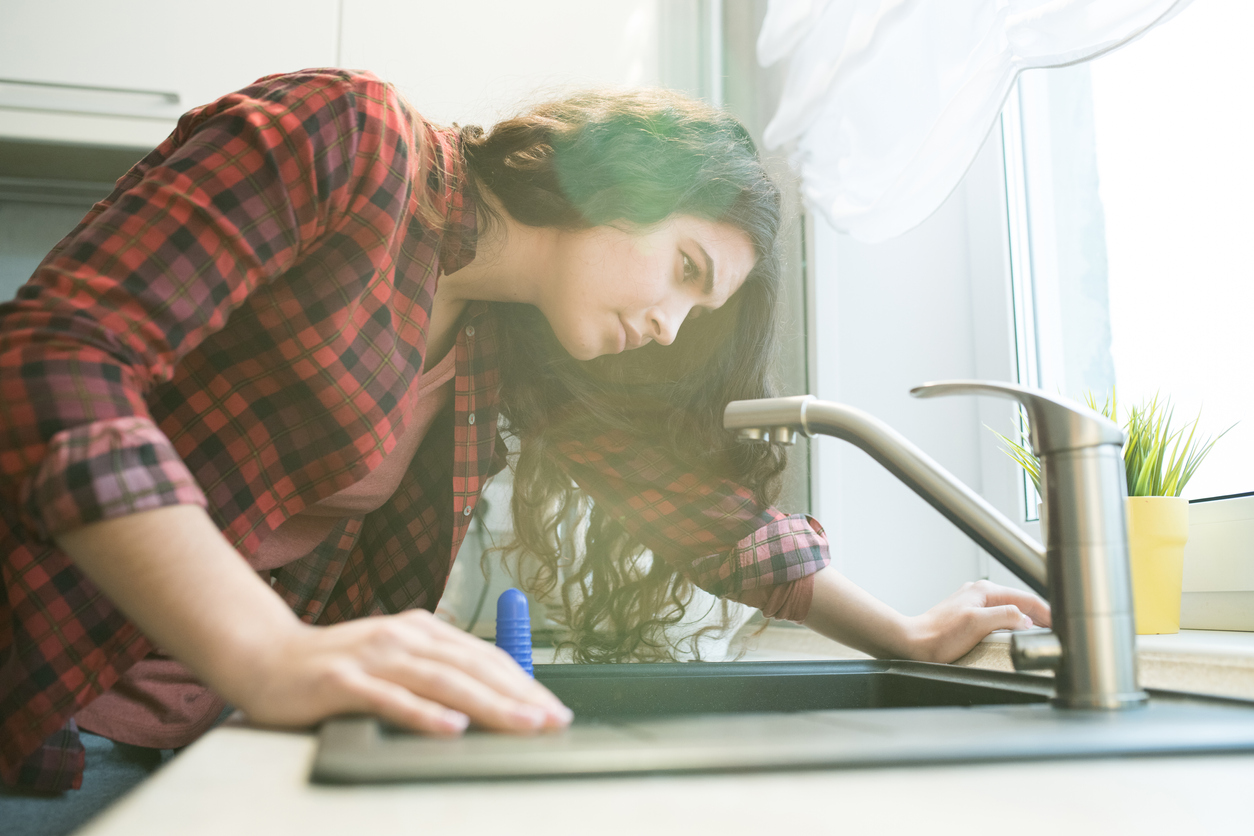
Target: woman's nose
[664,325]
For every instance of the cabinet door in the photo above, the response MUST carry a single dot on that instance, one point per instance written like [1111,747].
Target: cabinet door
[475,62]
[153,58]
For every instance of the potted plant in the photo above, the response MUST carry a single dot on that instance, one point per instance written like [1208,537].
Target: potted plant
[1159,463]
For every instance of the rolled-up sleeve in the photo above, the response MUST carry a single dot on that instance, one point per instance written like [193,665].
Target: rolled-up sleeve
[711,530]
[108,469]
[221,207]
[784,550]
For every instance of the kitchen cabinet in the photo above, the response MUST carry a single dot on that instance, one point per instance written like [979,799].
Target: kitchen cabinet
[123,72]
[474,63]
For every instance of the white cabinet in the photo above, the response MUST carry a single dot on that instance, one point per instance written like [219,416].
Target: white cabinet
[475,62]
[122,72]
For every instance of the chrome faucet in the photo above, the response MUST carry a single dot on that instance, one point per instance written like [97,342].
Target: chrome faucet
[1083,573]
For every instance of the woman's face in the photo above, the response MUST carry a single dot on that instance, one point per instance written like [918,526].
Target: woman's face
[615,288]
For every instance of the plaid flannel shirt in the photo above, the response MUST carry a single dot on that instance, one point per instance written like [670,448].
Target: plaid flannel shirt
[238,326]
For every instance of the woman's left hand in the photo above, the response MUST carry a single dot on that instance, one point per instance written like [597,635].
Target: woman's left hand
[950,629]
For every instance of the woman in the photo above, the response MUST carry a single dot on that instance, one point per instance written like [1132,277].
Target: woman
[288,336]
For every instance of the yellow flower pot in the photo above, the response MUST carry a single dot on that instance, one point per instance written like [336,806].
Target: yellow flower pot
[1158,527]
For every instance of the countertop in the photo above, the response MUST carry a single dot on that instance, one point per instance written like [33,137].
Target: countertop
[242,780]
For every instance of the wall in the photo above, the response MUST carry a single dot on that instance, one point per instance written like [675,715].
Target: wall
[752,93]
[930,305]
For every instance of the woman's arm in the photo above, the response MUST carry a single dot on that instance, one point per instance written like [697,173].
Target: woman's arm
[684,516]
[843,611]
[172,572]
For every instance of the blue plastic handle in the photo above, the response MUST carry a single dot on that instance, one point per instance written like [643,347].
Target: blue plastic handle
[513,628]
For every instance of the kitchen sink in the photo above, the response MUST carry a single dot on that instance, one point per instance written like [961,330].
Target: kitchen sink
[737,716]
[609,693]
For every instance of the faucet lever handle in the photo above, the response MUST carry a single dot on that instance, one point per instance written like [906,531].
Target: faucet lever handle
[1054,423]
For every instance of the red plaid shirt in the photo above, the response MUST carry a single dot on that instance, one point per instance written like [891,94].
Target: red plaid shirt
[238,326]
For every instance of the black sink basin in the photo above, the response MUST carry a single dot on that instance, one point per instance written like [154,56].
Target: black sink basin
[607,693]
[710,717]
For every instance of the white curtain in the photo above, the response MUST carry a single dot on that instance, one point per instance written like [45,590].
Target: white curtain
[888,101]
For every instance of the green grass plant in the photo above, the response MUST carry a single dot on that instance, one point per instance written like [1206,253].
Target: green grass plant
[1157,460]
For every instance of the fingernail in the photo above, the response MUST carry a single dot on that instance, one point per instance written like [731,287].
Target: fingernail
[455,720]
[562,715]
[530,715]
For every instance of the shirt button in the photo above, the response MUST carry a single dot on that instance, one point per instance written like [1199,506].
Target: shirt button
[471,419]
[466,511]
[470,330]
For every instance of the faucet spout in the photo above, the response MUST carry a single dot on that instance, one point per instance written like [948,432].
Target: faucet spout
[962,506]
[1084,573]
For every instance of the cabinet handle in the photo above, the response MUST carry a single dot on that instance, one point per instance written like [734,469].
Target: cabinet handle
[84,98]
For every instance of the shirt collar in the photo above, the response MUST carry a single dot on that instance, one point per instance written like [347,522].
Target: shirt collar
[461,223]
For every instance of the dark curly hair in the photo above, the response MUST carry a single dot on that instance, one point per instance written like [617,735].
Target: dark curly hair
[639,156]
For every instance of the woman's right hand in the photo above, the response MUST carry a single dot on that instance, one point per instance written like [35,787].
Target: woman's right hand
[411,669]
[173,573]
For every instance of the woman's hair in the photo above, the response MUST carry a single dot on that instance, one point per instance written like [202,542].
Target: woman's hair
[639,156]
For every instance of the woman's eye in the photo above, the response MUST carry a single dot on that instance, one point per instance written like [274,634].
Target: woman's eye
[690,269]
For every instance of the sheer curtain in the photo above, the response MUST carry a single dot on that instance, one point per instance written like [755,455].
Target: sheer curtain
[888,101]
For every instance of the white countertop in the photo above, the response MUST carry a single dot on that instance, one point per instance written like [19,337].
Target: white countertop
[239,780]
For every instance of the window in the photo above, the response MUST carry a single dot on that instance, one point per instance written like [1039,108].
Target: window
[1130,189]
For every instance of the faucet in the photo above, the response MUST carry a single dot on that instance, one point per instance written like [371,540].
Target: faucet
[1084,571]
